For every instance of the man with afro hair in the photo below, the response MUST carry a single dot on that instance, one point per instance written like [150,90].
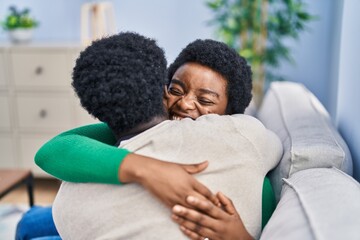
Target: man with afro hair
[120,80]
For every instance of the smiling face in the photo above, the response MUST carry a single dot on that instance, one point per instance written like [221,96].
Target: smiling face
[196,90]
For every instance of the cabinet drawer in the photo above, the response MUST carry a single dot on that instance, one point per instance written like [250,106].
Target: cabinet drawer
[28,146]
[4,113]
[7,157]
[41,69]
[45,112]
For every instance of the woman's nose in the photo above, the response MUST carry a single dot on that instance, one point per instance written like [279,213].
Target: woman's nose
[187,102]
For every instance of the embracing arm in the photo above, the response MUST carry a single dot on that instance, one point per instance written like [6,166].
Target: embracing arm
[84,154]
[88,154]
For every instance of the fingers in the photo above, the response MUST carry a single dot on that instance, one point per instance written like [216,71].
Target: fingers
[192,216]
[195,168]
[193,223]
[200,188]
[193,235]
[204,206]
[205,192]
[226,203]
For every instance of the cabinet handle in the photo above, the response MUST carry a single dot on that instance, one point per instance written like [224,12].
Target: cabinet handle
[43,113]
[39,70]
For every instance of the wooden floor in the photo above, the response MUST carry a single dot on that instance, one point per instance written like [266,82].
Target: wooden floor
[45,190]
[16,203]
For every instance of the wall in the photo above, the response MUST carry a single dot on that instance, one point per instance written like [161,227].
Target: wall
[312,52]
[59,20]
[348,97]
[173,23]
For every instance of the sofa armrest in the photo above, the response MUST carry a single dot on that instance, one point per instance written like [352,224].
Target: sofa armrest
[318,203]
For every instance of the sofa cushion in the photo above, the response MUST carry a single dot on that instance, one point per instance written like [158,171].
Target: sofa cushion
[309,138]
[318,203]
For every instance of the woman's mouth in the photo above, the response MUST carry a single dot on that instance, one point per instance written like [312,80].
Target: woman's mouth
[177,117]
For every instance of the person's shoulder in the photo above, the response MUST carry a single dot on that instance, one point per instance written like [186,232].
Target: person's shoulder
[237,118]
[253,126]
[245,117]
[241,122]
[215,117]
[245,120]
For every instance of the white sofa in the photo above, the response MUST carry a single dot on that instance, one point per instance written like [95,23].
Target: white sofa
[317,197]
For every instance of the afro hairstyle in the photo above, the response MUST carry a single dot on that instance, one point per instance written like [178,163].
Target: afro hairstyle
[224,60]
[120,80]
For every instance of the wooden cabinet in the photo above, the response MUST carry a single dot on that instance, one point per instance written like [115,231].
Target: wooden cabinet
[37,101]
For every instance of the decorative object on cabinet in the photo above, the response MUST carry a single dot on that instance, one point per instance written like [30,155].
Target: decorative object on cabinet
[36,100]
[19,25]
[97,20]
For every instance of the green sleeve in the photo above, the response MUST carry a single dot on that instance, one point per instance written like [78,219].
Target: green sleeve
[84,154]
[268,201]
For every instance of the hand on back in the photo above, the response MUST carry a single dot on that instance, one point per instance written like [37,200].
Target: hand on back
[171,183]
[210,221]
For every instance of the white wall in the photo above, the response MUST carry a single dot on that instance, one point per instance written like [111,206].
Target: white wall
[173,23]
[59,20]
[348,96]
[313,51]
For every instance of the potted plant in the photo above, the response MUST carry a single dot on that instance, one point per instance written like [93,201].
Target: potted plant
[19,25]
[257,30]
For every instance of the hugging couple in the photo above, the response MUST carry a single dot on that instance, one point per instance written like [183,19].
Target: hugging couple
[137,175]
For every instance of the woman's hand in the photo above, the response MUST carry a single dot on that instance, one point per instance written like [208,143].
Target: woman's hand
[169,182]
[213,223]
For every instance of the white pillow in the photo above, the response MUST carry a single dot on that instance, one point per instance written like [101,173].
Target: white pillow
[305,129]
[318,203]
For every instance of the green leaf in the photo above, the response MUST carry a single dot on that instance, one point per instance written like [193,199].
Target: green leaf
[285,19]
[18,19]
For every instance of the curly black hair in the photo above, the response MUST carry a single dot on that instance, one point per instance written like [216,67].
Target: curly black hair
[120,79]
[224,60]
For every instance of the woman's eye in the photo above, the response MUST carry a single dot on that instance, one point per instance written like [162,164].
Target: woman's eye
[204,101]
[175,92]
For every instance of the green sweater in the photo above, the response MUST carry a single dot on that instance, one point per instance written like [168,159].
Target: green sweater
[84,154]
[88,154]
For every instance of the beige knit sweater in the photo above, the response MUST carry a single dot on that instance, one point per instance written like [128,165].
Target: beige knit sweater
[240,151]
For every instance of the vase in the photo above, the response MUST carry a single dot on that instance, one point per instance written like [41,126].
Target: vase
[21,35]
